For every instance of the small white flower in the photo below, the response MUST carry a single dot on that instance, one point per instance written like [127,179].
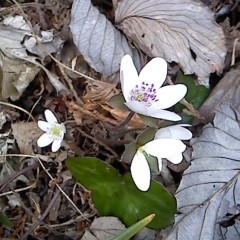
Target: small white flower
[167,144]
[143,93]
[54,131]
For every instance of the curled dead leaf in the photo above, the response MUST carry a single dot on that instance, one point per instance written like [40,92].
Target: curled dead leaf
[121,115]
[181,31]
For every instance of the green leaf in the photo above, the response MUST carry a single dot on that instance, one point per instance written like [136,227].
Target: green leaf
[146,136]
[130,151]
[135,228]
[131,148]
[150,121]
[117,195]
[196,95]
[153,163]
[5,221]
[117,101]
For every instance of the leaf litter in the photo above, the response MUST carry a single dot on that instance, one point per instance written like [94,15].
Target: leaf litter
[37,192]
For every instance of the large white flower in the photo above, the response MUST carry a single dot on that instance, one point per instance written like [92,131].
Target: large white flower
[54,131]
[143,93]
[167,144]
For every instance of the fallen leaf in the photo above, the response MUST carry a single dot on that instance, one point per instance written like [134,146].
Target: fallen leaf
[26,135]
[17,66]
[101,44]
[99,91]
[210,187]
[121,115]
[181,31]
[104,228]
[17,75]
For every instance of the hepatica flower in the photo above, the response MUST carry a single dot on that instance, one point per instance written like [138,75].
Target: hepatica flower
[144,93]
[166,144]
[54,131]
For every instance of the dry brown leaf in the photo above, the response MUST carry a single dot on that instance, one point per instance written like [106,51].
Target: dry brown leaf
[26,135]
[121,115]
[104,228]
[18,68]
[183,31]
[16,76]
[99,91]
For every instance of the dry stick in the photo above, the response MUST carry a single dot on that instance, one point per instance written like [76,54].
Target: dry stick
[126,121]
[69,82]
[15,175]
[19,108]
[28,211]
[234,51]
[24,5]
[20,189]
[40,162]
[44,215]
[41,17]
[99,142]
[65,195]
[35,104]
[71,221]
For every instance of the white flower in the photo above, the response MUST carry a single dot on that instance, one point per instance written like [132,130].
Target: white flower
[167,144]
[143,93]
[54,131]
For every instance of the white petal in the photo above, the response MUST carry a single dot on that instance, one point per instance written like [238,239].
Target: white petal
[45,126]
[170,95]
[141,108]
[138,107]
[159,164]
[163,114]
[56,145]
[140,171]
[175,159]
[44,140]
[154,72]
[64,130]
[164,148]
[176,132]
[50,117]
[128,76]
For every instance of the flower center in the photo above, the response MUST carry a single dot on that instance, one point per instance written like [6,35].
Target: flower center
[57,130]
[144,93]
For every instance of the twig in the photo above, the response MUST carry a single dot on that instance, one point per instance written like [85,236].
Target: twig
[35,104]
[44,215]
[19,108]
[65,195]
[71,221]
[15,175]
[126,121]
[69,82]
[234,51]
